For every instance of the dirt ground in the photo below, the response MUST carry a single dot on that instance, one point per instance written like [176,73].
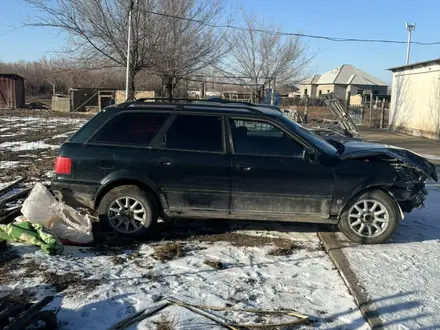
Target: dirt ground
[429,149]
[29,140]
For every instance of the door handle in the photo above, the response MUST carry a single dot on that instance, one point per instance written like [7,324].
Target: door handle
[245,167]
[165,162]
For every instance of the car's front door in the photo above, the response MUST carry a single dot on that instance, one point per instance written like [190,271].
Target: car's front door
[270,179]
[190,166]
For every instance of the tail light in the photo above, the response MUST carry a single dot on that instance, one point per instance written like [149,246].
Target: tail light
[63,165]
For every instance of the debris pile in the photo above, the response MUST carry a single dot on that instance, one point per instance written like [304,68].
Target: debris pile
[207,311]
[18,313]
[11,199]
[45,222]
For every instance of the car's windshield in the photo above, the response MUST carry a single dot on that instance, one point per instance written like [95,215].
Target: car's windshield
[317,141]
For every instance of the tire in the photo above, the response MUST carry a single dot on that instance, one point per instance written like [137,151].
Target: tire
[370,223]
[138,220]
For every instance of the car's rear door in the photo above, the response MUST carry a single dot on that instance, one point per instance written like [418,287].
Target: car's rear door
[119,149]
[270,179]
[190,165]
[121,144]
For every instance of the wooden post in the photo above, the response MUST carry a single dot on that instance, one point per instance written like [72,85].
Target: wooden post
[377,103]
[382,114]
[306,110]
[371,109]
[203,90]
[347,104]
[362,109]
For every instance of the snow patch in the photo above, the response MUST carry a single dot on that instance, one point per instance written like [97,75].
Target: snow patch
[402,277]
[305,281]
[9,164]
[24,146]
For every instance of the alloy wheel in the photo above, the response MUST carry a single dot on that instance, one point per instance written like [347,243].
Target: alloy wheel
[368,218]
[127,214]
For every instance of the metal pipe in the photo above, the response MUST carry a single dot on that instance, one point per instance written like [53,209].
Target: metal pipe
[127,76]
[272,97]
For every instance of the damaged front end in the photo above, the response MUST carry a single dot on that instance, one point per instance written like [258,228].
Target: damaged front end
[411,170]
[409,188]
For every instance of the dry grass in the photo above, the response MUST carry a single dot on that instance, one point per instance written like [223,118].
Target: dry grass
[214,263]
[30,132]
[314,113]
[168,251]
[61,282]
[240,239]
[43,113]
[32,269]
[165,323]
[284,249]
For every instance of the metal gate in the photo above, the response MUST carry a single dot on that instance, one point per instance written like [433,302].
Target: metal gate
[355,114]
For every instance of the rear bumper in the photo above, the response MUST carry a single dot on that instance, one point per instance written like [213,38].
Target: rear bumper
[75,195]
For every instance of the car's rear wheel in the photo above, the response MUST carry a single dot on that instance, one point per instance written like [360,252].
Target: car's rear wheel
[129,211]
[370,218]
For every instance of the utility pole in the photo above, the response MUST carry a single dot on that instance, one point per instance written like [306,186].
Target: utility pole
[409,28]
[127,76]
[272,96]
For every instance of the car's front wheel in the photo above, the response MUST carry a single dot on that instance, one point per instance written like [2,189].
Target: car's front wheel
[129,211]
[370,218]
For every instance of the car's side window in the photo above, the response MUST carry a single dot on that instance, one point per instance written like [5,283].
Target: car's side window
[131,129]
[253,137]
[194,132]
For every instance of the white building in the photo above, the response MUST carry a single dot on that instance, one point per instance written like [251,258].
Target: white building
[343,81]
[415,99]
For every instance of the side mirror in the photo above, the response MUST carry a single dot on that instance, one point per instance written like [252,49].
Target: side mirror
[310,155]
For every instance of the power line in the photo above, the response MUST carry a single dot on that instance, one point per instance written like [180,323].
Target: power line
[337,39]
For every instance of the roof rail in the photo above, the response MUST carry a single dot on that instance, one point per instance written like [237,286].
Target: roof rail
[211,99]
[220,100]
[161,99]
[211,102]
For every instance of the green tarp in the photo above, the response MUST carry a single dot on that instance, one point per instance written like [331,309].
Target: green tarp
[31,233]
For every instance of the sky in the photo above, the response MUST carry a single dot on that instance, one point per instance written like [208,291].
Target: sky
[373,19]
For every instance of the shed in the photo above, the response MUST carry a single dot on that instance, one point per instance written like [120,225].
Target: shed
[12,93]
[415,99]
[92,99]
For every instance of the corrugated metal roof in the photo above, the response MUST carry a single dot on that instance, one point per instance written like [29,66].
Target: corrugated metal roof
[11,75]
[344,75]
[330,76]
[311,80]
[437,61]
[348,74]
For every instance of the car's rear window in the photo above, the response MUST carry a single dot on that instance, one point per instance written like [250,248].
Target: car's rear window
[131,129]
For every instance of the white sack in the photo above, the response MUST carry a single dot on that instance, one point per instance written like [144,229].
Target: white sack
[66,223]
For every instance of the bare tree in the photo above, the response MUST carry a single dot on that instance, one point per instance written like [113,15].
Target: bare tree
[98,31]
[259,52]
[170,46]
[186,46]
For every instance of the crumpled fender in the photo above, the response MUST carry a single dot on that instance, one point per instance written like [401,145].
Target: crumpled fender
[405,156]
